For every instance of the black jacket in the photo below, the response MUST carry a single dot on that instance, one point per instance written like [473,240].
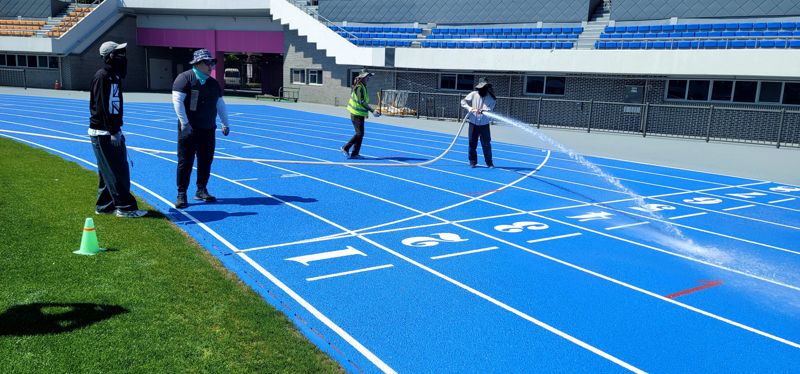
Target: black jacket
[105,101]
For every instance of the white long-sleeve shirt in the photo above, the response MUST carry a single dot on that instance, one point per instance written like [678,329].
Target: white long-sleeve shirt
[473,100]
[178,99]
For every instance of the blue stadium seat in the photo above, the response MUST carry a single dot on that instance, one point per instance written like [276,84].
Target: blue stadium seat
[732,26]
[599,45]
[729,33]
[688,34]
[680,27]
[547,30]
[780,43]
[577,30]
[625,45]
[648,45]
[536,30]
[675,34]
[760,26]
[738,44]
[659,45]
[547,45]
[693,27]
[556,30]
[766,44]
[612,45]
[674,45]
[655,28]
[631,29]
[663,35]
[684,45]
[788,25]
[469,45]
[527,45]
[537,45]
[751,43]
[568,45]
[701,34]
[651,35]
[696,45]
[610,29]
[516,45]
[756,33]
[527,30]
[617,36]
[642,28]
[784,33]
[742,33]
[394,29]
[668,28]
[497,30]
[507,30]
[773,25]
[747,26]
[715,34]
[558,45]
[718,27]
[794,44]
[497,45]
[770,33]
[451,44]
[796,33]
[636,45]
[573,36]
[710,44]
[628,36]
[639,36]
[706,27]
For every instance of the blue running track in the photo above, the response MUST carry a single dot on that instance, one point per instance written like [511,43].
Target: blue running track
[444,268]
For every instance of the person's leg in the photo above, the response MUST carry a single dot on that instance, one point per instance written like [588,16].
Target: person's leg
[104,203]
[358,137]
[205,143]
[116,174]
[486,144]
[186,151]
[473,144]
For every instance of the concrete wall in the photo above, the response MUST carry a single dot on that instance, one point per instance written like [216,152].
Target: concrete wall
[625,10]
[79,69]
[31,8]
[455,12]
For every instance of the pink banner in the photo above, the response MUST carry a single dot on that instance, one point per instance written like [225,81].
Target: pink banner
[214,40]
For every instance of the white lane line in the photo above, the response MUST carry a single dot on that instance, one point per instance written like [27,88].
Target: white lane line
[349,272]
[624,226]
[299,299]
[245,180]
[465,253]
[782,201]
[554,238]
[739,207]
[689,215]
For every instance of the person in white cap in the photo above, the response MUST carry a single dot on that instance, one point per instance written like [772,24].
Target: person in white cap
[476,102]
[105,132]
[359,109]
[197,99]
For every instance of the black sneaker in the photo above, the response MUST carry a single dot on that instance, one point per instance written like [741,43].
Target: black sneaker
[180,202]
[472,165]
[490,166]
[356,157]
[130,213]
[345,152]
[203,195]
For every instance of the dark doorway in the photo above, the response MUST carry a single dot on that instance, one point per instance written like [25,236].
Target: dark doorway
[253,73]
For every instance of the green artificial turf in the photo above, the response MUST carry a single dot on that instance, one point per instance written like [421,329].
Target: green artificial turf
[156,302]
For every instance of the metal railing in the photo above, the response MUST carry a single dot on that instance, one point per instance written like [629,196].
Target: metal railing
[777,127]
[14,78]
[302,5]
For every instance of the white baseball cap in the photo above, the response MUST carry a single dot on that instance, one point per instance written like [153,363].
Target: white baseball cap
[109,47]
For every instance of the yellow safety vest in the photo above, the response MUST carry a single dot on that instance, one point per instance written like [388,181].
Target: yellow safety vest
[354,106]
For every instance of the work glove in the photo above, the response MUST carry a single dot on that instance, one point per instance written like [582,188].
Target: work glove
[117,139]
[376,113]
[226,130]
[186,130]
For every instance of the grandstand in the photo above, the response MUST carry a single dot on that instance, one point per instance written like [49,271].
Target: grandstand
[677,69]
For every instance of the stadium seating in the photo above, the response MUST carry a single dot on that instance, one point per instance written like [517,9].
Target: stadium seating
[735,35]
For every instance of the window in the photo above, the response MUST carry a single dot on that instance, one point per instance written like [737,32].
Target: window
[43,62]
[745,91]
[314,76]
[2,60]
[299,76]
[722,91]
[447,81]
[698,90]
[466,82]
[32,62]
[770,92]
[53,62]
[534,85]
[460,82]
[22,60]
[555,85]
[676,90]
[11,60]
[791,93]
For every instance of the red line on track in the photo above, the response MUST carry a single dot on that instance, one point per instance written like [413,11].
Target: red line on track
[708,284]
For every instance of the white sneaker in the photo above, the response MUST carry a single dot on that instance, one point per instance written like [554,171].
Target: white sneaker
[130,213]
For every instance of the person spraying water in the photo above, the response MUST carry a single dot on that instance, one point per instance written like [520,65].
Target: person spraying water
[478,102]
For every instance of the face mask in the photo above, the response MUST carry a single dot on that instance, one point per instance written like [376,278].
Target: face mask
[120,65]
[483,91]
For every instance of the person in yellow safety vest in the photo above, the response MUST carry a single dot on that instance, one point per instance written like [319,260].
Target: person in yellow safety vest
[359,110]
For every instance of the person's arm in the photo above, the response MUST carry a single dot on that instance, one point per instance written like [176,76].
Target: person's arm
[179,89]
[467,101]
[100,100]
[222,112]
[360,94]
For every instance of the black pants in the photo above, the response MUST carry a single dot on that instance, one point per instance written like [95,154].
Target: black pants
[114,189]
[355,141]
[485,135]
[202,143]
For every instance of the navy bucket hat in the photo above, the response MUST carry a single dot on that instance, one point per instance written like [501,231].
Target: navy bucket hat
[202,55]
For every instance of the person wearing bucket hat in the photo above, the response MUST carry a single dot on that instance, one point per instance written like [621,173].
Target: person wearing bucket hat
[105,133]
[476,102]
[197,99]
[359,109]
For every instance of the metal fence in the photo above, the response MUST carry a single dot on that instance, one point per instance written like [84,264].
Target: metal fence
[13,77]
[776,127]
